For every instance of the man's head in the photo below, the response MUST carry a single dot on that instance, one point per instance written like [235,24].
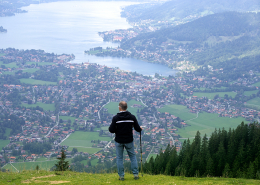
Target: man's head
[122,106]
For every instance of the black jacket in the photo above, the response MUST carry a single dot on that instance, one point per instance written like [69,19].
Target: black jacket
[122,125]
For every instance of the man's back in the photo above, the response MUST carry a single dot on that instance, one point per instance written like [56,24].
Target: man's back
[122,125]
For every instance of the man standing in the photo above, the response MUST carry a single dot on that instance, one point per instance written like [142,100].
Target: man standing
[122,125]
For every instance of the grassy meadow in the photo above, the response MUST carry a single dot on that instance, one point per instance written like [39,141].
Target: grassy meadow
[205,122]
[45,106]
[36,82]
[113,107]
[3,143]
[82,141]
[253,103]
[211,95]
[41,63]
[68,177]
[10,65]
[44,165]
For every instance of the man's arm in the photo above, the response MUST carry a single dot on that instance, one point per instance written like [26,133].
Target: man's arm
[136,125]
[112,127]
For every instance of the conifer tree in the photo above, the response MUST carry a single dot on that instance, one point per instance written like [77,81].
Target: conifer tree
[62,165]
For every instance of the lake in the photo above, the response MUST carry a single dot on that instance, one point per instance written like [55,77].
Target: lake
[72,27]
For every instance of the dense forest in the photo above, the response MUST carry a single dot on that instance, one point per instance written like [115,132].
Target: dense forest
[234,153]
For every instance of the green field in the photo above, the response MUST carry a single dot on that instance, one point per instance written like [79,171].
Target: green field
[30,70]
[45,106]
[3,143]
[249,93]
[82,141]
[77,178]
[257,84]
[88,150]
[67,118]
[8,72]
[113,107]
[36,82]
[150,156]
[178,111]
[205,122]
[211,95]
[253,103]
[93,162]
[10,65]
[44,165]
[41,63]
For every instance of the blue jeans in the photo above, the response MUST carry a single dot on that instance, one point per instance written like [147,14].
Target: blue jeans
[119,157]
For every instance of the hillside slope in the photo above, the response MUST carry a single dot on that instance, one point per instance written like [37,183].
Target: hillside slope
[179,9]
[44,177]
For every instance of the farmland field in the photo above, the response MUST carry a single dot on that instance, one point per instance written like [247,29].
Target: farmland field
[50,107]
[205,122]
[67,118]
[248,93]
[253,103]
[41,63]
[3,143]
[30,70]
[93,162]
[88,150]
[10,65]
[36,82]
[44,165]
[150,156]
[257,84]
[82,141]
[113,107]
[178,111]
[211,95]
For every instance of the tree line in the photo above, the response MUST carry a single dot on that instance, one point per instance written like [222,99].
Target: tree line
[234,153]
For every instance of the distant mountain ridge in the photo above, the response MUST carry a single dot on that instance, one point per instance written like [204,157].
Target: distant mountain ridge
[179,9]
[218,37]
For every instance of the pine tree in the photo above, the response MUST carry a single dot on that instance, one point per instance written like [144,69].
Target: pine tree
[62,165]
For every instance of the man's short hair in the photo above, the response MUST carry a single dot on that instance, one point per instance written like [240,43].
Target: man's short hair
[123,105]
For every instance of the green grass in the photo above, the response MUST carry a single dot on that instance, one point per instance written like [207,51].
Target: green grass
[249,93]
[10,65]
[8,72]
[150,156]
[3,143]
[88,150]
[36,82]
[30,70]
[253,103]
[178,111]
[113,107]
[205,123]
[7,132]
[67,118]
[50,107]
[41,159]
[44,165]
[211,95]
[93,162]
[82,141]
[68,177]
[257,84]
[41,63]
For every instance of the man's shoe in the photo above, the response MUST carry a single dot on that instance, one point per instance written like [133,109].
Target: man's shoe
[136,177]
[121,178]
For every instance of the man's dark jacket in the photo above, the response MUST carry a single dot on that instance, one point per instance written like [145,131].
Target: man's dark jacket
[122,125]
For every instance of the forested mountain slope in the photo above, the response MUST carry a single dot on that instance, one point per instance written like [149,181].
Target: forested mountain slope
[207,40]
[179,9]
